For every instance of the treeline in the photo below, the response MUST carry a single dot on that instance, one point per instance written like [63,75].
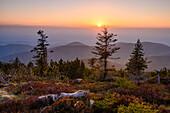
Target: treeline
[61,69]
[65,69]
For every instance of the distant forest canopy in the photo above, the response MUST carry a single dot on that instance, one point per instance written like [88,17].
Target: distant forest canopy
[64,69]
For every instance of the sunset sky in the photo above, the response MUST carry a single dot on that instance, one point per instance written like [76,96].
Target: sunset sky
[116,13]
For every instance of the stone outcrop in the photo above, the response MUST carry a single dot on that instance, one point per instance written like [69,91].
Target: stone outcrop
[77,94]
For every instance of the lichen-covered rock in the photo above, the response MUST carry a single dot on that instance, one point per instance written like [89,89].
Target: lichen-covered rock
[91,103]
[48,99]
[5,97]
[79,80]
[77,94]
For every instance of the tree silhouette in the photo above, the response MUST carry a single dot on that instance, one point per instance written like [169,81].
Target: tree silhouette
[41,53]
[137,63]
[105,47]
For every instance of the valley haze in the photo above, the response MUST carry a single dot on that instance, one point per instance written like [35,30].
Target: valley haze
[87,35]
[158,53]
[17,41]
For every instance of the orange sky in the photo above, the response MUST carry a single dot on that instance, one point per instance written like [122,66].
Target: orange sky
[118,13]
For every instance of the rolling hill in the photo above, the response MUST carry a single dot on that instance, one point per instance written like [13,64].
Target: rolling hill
[10,49]
[159,54]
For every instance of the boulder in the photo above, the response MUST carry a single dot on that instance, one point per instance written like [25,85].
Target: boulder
[50,98]
[79,80]
[5,97]
[91,103]
[77,94]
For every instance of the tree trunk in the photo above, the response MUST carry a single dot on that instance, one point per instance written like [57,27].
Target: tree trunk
[105,68]
[138,76]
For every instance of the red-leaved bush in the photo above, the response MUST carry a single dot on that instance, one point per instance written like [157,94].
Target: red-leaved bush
[163,80]
[68,106]
[38,88]
[22,105]
[148,95]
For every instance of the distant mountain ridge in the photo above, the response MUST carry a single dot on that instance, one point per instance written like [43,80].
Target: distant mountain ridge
[76,44]
[158,53]
[6,50]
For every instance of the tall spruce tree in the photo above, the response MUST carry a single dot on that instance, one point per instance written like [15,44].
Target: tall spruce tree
[41,53]
[105,47]
[137,63]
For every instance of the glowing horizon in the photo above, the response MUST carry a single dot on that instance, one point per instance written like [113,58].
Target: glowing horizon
[87,13]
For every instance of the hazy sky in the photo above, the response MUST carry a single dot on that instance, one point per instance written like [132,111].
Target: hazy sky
[120,13]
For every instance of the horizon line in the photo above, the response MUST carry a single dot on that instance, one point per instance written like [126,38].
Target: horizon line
[92,26]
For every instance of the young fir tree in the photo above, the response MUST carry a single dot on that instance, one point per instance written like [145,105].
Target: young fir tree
[41,53]
[18,67]
[105,47]
[30,67]
[137,64]
[92,62]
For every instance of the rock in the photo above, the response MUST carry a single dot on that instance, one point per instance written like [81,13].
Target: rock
[79,80]
[5,97]
[76,103]
[91,103]
[3,92]
[50,98]
[77,94]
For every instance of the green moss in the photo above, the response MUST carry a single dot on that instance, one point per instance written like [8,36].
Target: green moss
[136,108]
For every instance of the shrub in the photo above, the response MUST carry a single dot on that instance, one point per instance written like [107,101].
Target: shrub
[68,106]
[136,108]
[107,104]
[25,78]
[22,105]
[37,88]
[167,87]
[124,83]
[93,96]
[150,95]
[11,106]
[70,81]
[163,109]
[95,87]
[112,101]
[163,80]
[121,91]
[160,87]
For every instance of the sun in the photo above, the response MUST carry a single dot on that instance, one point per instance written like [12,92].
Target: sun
[99,25]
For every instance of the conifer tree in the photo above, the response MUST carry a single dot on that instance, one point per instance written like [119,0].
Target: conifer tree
[92,62]
[105,47]
[41,53]
[17,66]
[137,64]
[53,69]
[30,67]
